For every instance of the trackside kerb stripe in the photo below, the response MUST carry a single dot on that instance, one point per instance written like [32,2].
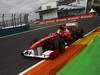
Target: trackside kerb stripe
[22,73]
[91,31]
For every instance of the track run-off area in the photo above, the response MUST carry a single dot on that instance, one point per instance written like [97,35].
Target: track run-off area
[51,67]
[88,61]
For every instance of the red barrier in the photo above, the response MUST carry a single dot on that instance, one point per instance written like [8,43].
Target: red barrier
[66,19]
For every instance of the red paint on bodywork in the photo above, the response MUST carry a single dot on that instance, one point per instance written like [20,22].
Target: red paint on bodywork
[41,42]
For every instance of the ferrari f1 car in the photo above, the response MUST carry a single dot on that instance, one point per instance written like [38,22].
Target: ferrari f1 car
[54,44]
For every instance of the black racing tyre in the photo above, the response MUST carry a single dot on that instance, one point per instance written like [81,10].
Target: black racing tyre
[82,33]
[61,45]
[22,53]
[78,34]
[54,54]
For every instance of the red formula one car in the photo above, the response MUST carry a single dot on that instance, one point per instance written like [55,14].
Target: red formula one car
[54,44]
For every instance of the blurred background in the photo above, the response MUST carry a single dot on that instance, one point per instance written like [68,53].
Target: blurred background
[15,12]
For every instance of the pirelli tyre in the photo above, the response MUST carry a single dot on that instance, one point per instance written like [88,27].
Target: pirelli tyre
[80,33]
[22,53]
[77,34]
[32,41]
[60,44]
[54,54]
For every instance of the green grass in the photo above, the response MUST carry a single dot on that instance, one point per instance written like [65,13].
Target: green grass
[87,63]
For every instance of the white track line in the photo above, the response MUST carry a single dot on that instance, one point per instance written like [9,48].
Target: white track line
[29,31]
[22,73]
[91,31]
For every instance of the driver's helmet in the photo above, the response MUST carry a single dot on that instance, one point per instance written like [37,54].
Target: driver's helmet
[62,27]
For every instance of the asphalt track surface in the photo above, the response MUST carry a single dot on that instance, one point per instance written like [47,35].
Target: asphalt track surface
[12,63]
